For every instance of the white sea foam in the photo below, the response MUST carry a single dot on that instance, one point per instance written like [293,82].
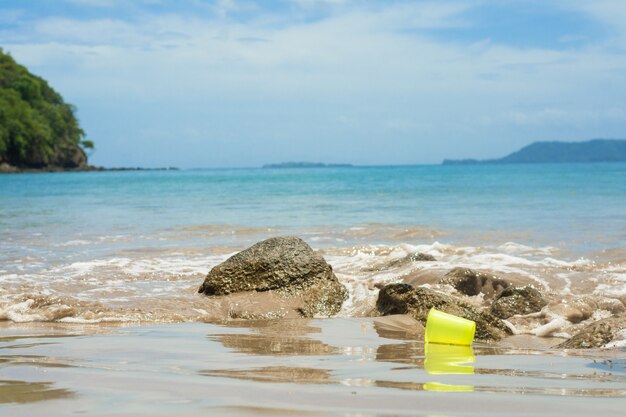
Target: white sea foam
[513,248]
[615,282]
[566,289]
[77,242]
[18,312]
[120,283]
[178,265]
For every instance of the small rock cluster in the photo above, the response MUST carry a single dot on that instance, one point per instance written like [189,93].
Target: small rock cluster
[507,301]
[417,301]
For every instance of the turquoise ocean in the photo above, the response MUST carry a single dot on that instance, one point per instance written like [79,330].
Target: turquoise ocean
[126,237]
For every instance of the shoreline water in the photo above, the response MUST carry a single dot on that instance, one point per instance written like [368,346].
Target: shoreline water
[327,367]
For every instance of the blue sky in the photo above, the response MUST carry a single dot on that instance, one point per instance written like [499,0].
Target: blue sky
[241,83]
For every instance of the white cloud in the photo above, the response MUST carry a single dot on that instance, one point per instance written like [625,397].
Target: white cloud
[609,12]
[560,116]
[352,53]
[368,71]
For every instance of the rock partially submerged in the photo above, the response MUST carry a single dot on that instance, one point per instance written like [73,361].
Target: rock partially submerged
[417,301]
[401,262]
[285,265]
[470,282]
[598,334]
[420,257]
[411,258]
[517,300]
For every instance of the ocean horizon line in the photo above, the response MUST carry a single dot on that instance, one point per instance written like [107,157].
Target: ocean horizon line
[331,166]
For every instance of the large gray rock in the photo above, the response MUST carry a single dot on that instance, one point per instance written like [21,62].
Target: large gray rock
[286,265]
[470,282]
[517,300]
[598,334]
[417,301]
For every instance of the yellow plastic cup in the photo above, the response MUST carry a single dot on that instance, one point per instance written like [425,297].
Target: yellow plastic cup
[448,329]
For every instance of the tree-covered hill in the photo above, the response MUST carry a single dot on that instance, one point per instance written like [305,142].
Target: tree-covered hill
[37,128]
[595,150]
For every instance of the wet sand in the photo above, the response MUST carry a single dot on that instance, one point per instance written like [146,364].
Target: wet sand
[336,367]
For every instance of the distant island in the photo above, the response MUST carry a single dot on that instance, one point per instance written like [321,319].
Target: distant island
[38,129]
[596,150]
[306,165]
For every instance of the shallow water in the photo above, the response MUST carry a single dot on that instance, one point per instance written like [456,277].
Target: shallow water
[574,205]
[342,367]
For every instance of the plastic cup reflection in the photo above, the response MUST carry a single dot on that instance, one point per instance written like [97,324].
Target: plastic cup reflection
[448,360]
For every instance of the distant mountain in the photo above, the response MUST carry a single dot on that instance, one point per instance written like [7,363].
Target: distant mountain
[305,165]
[596,150]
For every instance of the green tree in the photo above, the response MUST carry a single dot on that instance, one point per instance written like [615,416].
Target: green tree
[37,128]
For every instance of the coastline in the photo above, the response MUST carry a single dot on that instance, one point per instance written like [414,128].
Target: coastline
[10,169]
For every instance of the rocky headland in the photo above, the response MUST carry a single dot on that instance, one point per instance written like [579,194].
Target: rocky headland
[38,129]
